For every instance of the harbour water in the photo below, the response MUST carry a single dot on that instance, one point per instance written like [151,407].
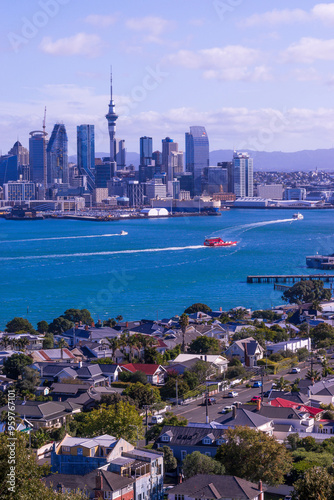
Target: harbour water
[158,269]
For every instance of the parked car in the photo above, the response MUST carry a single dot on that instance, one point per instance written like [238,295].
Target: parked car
[157,419]
[295,370]
[257,383]
[232,394]
[255,399]
[266,394]
[226,409]
[212,401]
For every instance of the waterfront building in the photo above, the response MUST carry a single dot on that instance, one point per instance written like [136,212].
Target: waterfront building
[100,194]
[295,194]
[8,168]
[168,145]
[111,118]
[174,188]
[145,150]
[197,155]
[243,174]
[135,193]
[228,165]
[174,164]
[271,191]
[155,189]
[217,179]
[57,156]
[21,153]
[103,174]
[19,191]
[37,156]
[86,154]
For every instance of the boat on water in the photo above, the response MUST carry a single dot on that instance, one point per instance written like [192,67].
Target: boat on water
[218,242]
[123,233]
[298,216]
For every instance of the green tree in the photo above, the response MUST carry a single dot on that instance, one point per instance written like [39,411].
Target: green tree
[198,307]
[322,335]
[205,345]
[42,326]
[202,370]
[30,380]
[152,356]
[121,420]
[198,463]
[237,313]
[184,322]
[138,376]
[143,394]
[48,341]
[313,374]
[20,325]
[266,314]
[60,325]
[317,484]
[119,318]
[77,315]
[5,341]
[307,291]
[169,389]
[253,455]
[62,344]
[191,379]
[111,322]
[282,384]
[113,344]
[170,462]
[13,366]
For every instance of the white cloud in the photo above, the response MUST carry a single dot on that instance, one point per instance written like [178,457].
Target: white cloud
[152,26]
[324,12]
[100,21]
[308,50]
[273,17]
[82,44]
[233,62]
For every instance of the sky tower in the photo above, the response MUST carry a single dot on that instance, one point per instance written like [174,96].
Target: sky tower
[112,117]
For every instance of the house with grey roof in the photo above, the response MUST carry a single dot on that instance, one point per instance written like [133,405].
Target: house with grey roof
[216,487]
[185,440]
[248,351]
[111,372]
[240,416]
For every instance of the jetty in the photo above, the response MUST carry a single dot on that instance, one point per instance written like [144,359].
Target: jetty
[289,278]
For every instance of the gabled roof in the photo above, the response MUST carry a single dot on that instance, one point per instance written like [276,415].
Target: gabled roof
[60,388]
[217,487]
[105,440]
[111,481]
[145,368]
[244,418]
[189,436]
[51,354]
[279,402]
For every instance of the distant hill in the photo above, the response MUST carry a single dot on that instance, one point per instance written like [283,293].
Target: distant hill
[275,160]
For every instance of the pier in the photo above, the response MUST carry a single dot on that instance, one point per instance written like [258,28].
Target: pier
[289,278]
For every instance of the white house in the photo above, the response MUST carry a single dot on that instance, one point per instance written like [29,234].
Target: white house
[218,361]
[289,345]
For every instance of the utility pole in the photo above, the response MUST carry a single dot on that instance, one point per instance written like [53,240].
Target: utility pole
[262,369]
[177,402]
[206,405]
[146,407]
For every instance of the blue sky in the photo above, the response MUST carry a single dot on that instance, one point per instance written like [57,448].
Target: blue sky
[257,75]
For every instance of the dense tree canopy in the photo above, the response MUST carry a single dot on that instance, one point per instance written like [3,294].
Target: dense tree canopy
[20,325]
[60,325]
[77,315]
[198,307]
[143,394]
[322,335]
[14,366]
[170,462]
[204,345]
[316,484]
[198,463]
[253,455]
[42,326]
[306,291]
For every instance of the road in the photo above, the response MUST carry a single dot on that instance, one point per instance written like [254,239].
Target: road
[196,412]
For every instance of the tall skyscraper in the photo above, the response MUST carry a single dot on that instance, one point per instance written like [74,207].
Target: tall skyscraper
[37,155]
[57,156]
[168,145]
[120,153]
[145,150]
[86,153]
[8,168]
[243,174]
[21,153]
[175,165]
[197,155]
[112,117]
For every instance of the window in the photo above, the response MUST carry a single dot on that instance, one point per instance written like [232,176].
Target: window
[207,441]
[66,449]
[79,451]
[165,438]
[179,497]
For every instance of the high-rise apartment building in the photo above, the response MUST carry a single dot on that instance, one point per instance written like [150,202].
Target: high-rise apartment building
[37,156]
[243,174]
[197,155]
[57,156]
[145,150]
[21,153]
[120,153]
[19,191]
[86,153]
[174,164]
[8,168]
[168,145]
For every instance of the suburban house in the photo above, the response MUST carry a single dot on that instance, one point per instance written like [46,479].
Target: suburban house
[5,383]
[216,487]
[247,350]
[94,333]
[219,362]
[54,355]
[35,341]
[111,372]
[240,416]
[289,345]
[185,440]
[80,456]
[96,484]
[156,374]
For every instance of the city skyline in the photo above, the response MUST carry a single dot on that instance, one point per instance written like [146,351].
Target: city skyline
[256,77]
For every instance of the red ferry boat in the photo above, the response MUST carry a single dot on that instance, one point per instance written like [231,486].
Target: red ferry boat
[218,242]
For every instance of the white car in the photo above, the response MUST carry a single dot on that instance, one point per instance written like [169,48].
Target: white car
[232,394]
[226,409]
[295,370]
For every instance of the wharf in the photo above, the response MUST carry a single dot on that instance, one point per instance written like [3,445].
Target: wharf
[289,278]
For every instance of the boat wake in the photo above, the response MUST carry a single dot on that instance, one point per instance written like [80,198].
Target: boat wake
[247,227]
[61,238]
[89,254]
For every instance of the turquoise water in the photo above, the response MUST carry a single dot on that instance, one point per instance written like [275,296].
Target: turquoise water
[50,265]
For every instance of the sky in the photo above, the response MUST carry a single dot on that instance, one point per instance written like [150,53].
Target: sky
[258,75]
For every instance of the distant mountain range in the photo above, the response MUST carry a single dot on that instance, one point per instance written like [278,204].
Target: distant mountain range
[323,159]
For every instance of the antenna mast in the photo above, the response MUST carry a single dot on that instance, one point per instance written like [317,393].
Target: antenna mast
[44,150]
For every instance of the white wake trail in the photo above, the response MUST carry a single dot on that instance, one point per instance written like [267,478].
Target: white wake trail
[88,254]
[247,227]
[61,238]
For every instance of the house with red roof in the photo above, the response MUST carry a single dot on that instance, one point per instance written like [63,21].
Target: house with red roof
[284,403]
[156,374]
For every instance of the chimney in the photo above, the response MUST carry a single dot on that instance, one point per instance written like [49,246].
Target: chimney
[220,309]
[260,490]
[179,479]
[99,481]
[80,323]
[80,364]
[312,380]
[92,324]
[86,327]
[99,322]
[126,325]
[234,409]
[258,405]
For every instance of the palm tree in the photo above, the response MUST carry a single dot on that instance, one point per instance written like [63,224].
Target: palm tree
[183,322]
[22,343]
[5,341]
[282,384]
[313,374]
[61,344]
[113,345]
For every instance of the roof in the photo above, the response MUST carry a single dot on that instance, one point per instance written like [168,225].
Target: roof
[105,440]
[145,368]
[274,412]
[189,436]
[106,369]
[51,354]
[217,487]
[211,358]
[291,404]
[244,418]
[69,388]
[111,481]
[38,410]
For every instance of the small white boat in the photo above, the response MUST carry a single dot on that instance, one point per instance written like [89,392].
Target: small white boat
[298,216]
[123,233]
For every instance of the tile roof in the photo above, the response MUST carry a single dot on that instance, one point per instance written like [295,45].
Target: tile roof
[279,402]
[111,481]
[244,418]
[189,436]
[145,368]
